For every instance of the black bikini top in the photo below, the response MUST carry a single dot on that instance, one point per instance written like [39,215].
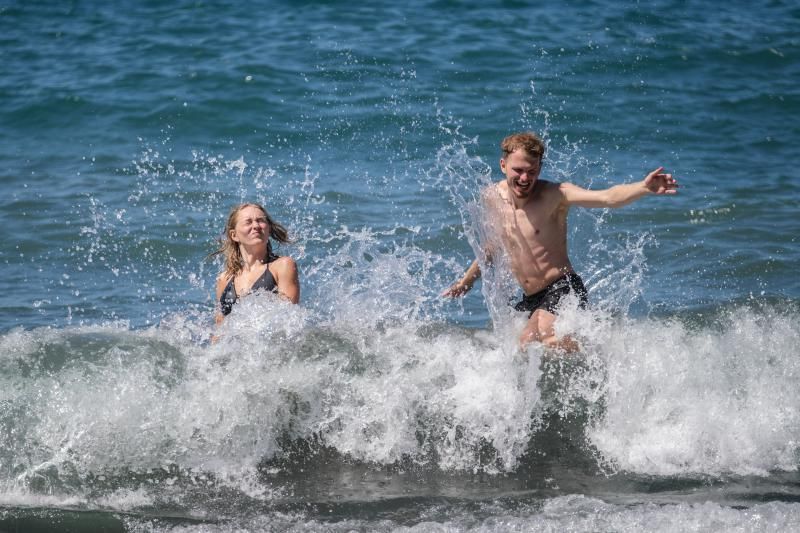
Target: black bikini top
[265,281]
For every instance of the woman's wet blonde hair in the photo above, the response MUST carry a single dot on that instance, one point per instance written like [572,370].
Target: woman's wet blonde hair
[229,249]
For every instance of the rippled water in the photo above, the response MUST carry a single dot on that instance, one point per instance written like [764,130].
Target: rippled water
[128,133]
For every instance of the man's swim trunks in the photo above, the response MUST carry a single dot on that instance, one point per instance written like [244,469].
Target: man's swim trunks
[549,297]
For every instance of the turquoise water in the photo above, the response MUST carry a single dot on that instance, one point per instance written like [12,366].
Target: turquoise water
[127,133]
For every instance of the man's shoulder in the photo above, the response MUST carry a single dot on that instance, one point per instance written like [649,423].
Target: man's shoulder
[548,189]
[494,190]
[549,195]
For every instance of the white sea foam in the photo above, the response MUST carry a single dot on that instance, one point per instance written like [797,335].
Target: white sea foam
[567,513]
[369,367]
[676,399]
[715,399]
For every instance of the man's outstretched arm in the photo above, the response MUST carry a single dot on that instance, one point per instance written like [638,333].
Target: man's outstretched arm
[656,182]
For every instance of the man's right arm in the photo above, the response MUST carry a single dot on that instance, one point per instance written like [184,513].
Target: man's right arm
[490,199]
[466,282]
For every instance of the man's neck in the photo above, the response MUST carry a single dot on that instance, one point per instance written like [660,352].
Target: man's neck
[520,202]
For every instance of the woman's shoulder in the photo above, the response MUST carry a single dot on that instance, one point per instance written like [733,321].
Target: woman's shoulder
[284,267]
[284,263]
[223,277]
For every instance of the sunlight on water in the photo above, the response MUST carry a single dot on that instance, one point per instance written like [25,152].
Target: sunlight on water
[369,366]
[372,134]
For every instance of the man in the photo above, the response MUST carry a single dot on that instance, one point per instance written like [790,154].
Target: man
[530,216]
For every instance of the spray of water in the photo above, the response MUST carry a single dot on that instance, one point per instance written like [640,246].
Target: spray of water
[372,365]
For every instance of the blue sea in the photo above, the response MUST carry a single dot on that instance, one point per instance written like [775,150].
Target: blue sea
[129,130]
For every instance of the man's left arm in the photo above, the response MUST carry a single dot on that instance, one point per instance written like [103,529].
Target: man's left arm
[656,182]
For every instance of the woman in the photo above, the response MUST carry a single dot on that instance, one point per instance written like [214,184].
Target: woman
[250,263]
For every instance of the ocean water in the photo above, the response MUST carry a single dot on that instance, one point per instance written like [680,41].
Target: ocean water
[128,132]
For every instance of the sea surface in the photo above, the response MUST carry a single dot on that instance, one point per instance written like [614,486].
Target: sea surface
[129,130]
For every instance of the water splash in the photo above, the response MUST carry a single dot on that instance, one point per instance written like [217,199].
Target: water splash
[371,366]
[686,399]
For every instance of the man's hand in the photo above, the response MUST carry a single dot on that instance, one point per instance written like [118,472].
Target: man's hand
[658,182]
[466,282]
[459,288]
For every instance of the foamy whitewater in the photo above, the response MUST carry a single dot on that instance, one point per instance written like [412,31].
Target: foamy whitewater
[332,414]
[375,404]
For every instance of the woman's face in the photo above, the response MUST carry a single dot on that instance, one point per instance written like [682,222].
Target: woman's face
[251,227]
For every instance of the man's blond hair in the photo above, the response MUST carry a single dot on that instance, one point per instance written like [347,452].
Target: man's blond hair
[528,141]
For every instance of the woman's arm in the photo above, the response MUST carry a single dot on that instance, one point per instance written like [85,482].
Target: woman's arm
[284,270]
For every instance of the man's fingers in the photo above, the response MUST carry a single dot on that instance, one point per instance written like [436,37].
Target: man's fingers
[662,182]
[452,292]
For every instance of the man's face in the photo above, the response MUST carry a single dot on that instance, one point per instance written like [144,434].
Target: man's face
[522,171]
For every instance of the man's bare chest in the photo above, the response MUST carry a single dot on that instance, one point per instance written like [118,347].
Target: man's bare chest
[530,221]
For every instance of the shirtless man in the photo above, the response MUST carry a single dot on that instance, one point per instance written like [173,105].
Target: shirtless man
[531,216]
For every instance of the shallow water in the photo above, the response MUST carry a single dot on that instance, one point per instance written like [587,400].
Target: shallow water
[127,134]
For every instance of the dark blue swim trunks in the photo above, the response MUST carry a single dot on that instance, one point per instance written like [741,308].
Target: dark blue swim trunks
[549,297]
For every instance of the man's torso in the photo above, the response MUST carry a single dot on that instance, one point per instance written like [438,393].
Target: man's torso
[534,236]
